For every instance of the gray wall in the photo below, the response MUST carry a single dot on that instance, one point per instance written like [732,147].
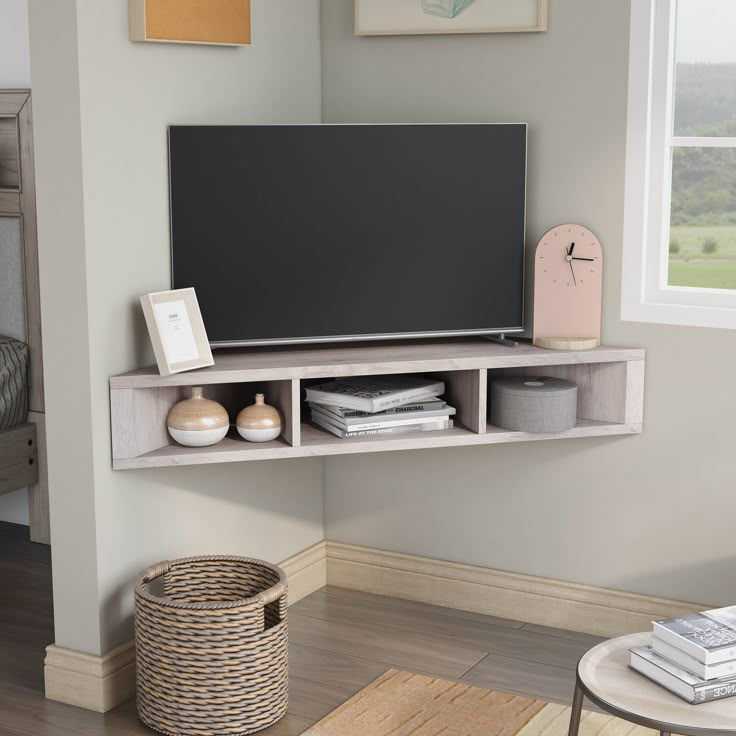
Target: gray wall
[650,514]
[15,71]
[15,59]
[102,105]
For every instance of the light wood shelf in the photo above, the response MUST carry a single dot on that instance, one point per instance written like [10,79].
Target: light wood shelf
[610,384]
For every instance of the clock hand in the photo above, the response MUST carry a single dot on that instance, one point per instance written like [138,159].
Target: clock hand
[575,258]
[573,274]
[572,247]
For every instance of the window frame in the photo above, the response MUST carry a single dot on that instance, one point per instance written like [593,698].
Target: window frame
[645,295]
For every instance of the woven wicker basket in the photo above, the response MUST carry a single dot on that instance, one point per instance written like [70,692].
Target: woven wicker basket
[211,651]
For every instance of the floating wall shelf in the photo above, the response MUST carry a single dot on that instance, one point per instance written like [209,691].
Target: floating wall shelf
[610,397]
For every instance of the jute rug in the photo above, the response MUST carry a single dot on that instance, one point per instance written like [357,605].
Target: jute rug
[403,704]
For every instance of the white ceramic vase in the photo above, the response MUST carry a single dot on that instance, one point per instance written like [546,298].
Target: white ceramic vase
[259,422]
[198,422]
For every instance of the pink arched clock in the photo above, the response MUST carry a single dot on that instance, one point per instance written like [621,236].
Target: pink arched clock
[568,283]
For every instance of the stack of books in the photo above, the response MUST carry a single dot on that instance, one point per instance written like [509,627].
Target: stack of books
[375,405]
[693,656]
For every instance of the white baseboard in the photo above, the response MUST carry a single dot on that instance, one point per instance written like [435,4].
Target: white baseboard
[101,683]
[306,571]
[88,681]
[592,610]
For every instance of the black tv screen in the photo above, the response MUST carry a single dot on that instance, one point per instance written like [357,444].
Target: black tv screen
[306,233]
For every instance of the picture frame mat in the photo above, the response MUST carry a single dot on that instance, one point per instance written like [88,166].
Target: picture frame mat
[189,297]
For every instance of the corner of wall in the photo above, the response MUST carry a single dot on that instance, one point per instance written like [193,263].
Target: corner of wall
[321,61]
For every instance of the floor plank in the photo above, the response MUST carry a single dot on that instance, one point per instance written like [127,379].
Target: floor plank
[26,608]
[332,668]
[28,712]
[21,664]
[519,643]
[541,681]
[314,700]
[410,650]
[425,607]
[290,725]
[590,639]
[9,732]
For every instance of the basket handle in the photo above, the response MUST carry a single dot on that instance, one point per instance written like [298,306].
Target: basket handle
[273,593]
[155,571]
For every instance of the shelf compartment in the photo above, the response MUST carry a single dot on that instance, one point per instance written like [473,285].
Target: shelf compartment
[608,393]
[465,390]
[138,419]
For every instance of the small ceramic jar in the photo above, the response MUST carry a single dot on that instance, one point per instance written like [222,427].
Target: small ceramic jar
[198,422]
[259,422]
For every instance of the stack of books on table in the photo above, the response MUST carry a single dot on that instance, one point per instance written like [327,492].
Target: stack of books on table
[378,405]
[693,656]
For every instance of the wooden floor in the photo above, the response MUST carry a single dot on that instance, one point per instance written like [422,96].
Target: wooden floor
[340,641]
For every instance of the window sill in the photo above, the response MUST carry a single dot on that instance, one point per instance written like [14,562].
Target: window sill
[679,314]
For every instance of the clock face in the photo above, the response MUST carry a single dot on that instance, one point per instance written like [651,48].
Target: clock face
[570,257]
[568,281]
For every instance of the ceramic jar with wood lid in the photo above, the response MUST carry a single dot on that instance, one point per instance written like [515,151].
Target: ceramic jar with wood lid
[198,422]
[259,422]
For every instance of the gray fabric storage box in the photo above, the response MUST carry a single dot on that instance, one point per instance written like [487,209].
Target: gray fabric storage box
[13,382]
[531,404]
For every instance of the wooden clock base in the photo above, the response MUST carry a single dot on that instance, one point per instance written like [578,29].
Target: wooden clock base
[567,343]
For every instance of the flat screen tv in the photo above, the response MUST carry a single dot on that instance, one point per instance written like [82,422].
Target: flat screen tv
[319,233]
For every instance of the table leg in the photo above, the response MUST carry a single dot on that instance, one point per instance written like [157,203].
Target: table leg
[575,713]
[664,733]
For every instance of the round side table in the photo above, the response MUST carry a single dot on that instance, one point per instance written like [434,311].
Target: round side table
[604,677]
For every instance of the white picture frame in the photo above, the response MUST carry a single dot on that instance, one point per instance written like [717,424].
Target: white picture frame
[412,17]
[177,331]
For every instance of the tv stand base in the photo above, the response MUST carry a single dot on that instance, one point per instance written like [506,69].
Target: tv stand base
[502,340]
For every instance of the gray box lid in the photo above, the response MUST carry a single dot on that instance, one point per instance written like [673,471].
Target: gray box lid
[533,385]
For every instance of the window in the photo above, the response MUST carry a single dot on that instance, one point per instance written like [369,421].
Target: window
[680,220]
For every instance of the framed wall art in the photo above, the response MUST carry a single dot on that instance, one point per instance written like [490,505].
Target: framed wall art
[177,331]
[406,17]
[215,22]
